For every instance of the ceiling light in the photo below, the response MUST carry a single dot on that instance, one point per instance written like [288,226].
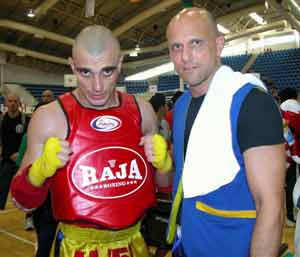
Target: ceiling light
[257,18]
[137,47]
[133,54]
[30,13]
[222,29]
[161,69]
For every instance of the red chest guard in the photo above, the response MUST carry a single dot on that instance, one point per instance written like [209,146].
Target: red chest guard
[108,181]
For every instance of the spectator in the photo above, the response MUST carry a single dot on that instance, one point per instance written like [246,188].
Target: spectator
[158,102]
[13,127]
[47,97]
[169,115]
[290,108]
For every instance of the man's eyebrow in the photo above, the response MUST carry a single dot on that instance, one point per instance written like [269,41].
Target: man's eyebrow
[104,68]
[82,68]
[109,68]
[197,39]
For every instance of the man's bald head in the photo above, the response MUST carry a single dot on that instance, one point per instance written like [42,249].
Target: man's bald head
[12,101]
[95,40]
[14,96]
[195,47]
[47,96]
[196,13]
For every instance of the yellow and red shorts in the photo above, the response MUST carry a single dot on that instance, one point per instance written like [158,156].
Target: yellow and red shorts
[74,241]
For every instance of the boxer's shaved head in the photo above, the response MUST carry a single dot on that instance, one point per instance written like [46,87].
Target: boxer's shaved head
[95,40]
[96,62]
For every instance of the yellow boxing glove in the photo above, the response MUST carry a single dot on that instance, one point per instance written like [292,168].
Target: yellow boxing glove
[46,165]
[163,160]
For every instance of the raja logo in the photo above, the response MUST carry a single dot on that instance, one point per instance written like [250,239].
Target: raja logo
[106,123]
[110,172]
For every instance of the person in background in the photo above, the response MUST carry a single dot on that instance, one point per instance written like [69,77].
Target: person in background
[273,90]
[228,150]
[290,109]
[14,124]
[275,93]
[158,102]
[47,97]
[296,201]
[169,114]
[101,182]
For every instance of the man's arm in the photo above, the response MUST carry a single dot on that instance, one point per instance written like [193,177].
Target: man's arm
[30,185]
[149,128]
[149,119]
[265,168]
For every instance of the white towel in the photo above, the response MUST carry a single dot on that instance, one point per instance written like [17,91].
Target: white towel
[210,161]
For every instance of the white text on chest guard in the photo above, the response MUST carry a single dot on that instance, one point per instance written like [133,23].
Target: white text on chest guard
[90,176]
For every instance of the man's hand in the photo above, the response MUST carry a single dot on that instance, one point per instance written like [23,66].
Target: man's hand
[56,154]
[156,150]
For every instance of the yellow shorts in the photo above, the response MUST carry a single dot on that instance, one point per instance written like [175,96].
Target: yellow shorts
[74,241]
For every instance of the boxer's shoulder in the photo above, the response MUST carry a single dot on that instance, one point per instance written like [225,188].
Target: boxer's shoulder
[49,119]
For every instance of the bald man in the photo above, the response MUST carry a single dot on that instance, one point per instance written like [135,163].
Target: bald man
[13,127]
[228,150]
[92,149]
[47,96]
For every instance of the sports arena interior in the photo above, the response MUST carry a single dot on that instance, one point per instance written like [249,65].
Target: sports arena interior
[261,37]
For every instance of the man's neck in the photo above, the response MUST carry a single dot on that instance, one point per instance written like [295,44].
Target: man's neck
[12,114]
[202,88]
[113,101]
[199,90]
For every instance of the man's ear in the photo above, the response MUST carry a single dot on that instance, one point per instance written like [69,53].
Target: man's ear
[220,41]
[119,66]
[71,63]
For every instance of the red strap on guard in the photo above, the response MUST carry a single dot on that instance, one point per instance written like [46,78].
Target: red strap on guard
[25,194]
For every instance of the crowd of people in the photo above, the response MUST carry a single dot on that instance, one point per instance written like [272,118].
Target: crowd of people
[221,149]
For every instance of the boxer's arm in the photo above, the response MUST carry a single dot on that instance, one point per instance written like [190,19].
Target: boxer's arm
[47,121]
[156,148]
[149,120]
